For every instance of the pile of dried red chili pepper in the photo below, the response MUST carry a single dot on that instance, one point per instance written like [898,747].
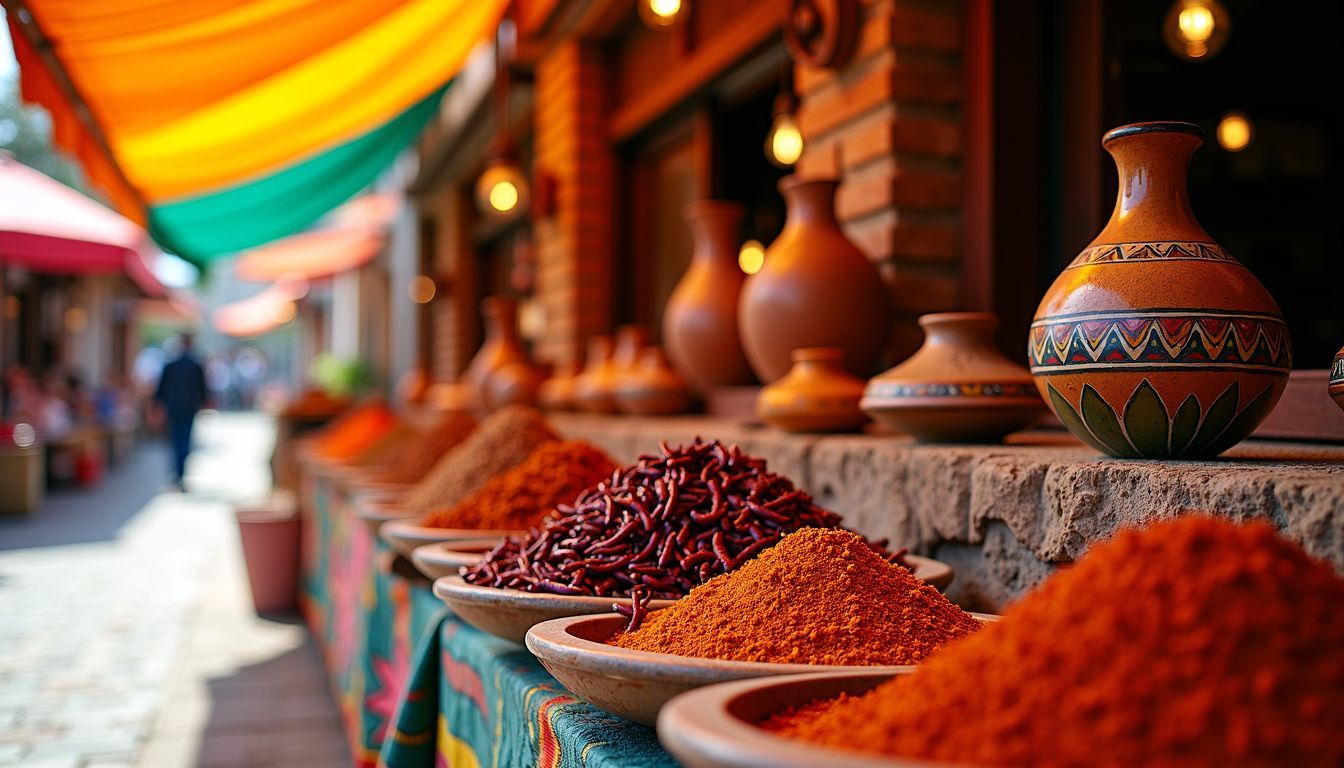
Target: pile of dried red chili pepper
[665,524]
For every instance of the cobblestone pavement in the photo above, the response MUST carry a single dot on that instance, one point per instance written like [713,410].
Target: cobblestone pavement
[136,645]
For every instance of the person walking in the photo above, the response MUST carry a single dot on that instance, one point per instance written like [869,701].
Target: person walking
[181,394]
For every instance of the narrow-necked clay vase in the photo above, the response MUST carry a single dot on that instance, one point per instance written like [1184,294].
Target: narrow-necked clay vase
[957,387]
[652,388]
[700,319]
[816,395]
[1336,387]
[514,384]
[1155,342]
[502,345]
[557,392]
[816,289]
[593,387]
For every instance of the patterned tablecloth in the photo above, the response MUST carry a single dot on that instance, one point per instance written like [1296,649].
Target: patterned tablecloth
[425,688]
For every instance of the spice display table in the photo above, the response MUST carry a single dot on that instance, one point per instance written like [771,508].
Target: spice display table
[417,683]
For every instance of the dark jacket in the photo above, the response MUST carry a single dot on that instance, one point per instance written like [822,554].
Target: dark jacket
[181,389]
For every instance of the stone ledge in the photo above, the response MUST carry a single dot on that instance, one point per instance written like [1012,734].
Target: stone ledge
[1006,515]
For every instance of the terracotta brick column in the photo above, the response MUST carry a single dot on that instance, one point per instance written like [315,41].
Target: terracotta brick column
[888,124]
[455,312]
[574,244]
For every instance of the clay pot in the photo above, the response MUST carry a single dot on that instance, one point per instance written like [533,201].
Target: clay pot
[557,392]
[449,397]
[593,387]
[1155,342]
[957,387]
[502,345]
[700,319]
[1336,387]
[652,388]
[816,395]
[630,341]
[514,384]
[413,386]
[816,290]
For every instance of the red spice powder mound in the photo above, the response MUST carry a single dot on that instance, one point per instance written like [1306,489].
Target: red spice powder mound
[356,431]
[518,498]
[819,596]
[417,455]
[1194,642]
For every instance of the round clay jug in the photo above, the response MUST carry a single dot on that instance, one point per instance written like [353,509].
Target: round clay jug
[593,387]
[557,392]
[1155,342]
[502,345]
[816,395]
[700,319]
[1336,386]
[514,384]
[957,387]
[652,388]
[816,290]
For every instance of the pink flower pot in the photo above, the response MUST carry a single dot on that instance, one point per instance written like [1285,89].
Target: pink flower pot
[271,549]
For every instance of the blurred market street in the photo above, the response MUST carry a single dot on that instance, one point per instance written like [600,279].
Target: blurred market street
[129,636]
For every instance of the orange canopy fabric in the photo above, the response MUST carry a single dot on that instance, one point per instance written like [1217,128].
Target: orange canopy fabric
[261,312]
[354,237]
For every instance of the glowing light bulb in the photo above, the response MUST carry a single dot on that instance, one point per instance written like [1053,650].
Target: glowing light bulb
[1196,29]
[504,196]
[1196,24]
[751,257]
[659,13]
[502,189]
[784,144]
[422,289]
[1234,132]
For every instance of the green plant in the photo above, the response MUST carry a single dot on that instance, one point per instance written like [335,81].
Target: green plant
[342,377]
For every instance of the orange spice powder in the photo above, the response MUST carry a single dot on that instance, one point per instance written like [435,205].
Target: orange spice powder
[819,596]
[518,498]
[1194,642]
[356,431]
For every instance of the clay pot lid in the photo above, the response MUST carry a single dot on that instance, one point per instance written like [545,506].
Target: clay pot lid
[1155,126]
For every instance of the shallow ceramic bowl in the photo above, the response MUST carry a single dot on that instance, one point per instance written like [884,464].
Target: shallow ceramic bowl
[373,510]
[718,726]
[509,613]
[405,535]
[446,557]
[935,573]
[636,684]
[951,419]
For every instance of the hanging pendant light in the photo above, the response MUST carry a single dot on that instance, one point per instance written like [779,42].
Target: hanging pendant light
[784,142]
[661,14]
[1196,29]
[503,189]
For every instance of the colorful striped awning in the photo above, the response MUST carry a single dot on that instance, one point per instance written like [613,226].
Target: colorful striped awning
[224,125]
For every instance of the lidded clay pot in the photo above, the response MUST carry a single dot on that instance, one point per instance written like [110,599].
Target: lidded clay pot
[700,319]
[557,392]
[502,345]
[1155,342]
[514,384]
[957,387]
[652,388]
[593,387]
[816,289]
[816,395]
[1336,386]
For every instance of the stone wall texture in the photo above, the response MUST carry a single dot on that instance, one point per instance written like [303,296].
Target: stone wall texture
[1005,516]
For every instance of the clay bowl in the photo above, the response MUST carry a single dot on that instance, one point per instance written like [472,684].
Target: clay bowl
[446,557]
[373,510]
[718,726]
[636,684]
[935,573]
[405,535]
[509,613]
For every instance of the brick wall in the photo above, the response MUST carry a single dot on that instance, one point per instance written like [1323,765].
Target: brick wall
[888,124]
[454,315]
[574,245]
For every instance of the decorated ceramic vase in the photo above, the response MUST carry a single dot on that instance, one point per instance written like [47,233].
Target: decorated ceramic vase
[816,289]
[1155,342]
[557,392]
[816,395]
[1337,379]
[652,388]
[957,387]
[593,386]
[502,345]
[700,320]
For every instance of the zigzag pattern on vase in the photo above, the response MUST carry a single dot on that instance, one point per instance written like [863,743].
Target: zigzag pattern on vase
[1337,371]
[1127,252]
[963,389]
[1159,339]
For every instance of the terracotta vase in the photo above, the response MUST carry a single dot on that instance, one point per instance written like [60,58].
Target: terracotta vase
[593,387]
[1336,387]
[957,387]
[514,384]
[700,319]
[502,345]
[652,388]
[557,392]
[630,342]
[816,395]
[816,290]
[1155,342]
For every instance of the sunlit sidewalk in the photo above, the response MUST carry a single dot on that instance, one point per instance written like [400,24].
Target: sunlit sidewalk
[126,630]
